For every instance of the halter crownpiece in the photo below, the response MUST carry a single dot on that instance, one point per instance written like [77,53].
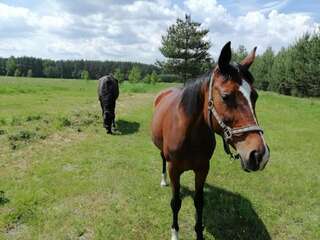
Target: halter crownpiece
[228,132]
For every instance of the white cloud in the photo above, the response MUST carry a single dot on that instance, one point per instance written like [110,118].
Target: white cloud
[131,30]
[263,28]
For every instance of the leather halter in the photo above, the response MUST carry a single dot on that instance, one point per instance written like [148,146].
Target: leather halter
[228,132]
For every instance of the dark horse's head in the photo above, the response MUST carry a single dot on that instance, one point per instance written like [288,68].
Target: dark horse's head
[234,101]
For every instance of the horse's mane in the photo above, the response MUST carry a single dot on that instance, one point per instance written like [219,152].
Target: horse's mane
[192,99]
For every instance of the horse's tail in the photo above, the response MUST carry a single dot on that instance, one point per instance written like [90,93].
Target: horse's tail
[161,95]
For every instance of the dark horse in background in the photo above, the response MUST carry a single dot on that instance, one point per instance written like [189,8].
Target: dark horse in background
[186,120]
[108,92]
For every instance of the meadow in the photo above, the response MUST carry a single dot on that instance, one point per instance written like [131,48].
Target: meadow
[62,177]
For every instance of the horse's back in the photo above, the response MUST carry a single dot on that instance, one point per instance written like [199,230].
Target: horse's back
[165,102]
[108,87]
[161,95]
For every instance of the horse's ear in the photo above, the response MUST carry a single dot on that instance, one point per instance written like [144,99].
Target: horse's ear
[225,57]
[249,59]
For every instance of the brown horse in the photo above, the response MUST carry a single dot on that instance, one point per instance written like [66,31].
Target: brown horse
[185,122]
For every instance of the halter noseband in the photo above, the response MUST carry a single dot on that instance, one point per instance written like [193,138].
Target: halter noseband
[228,132]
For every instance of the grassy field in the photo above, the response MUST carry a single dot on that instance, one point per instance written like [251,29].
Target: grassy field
[62,177]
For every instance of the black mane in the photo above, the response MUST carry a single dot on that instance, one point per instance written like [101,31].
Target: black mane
[192,99]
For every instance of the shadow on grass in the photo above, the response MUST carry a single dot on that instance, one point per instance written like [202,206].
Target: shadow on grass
[3,199]
[228,215]
[125,127]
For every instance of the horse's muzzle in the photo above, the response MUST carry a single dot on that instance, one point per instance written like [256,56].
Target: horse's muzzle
[256,160]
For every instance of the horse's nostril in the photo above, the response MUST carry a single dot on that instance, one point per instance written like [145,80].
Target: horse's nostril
[255,157]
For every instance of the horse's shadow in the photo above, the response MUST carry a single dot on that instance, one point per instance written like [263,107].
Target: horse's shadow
[125,127]
[228,215]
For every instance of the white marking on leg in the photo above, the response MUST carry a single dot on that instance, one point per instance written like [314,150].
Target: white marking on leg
[164,180]
[174,234]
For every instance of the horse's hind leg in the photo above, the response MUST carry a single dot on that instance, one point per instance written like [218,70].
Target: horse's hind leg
[200,178]
[164,171]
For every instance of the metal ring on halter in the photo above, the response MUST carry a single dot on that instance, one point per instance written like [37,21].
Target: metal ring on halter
[227,132]
[210,104]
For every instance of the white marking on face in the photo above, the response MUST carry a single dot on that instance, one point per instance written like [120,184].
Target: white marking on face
[245,89]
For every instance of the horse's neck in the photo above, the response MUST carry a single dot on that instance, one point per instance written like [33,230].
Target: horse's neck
[205,97]
[201,118]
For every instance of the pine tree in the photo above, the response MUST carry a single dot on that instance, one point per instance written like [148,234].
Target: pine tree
[85,75]
[11,66]
[262,68]
[239,54]
[119,75]
[17,72]
[185,48]
[29,74]
[147,78]
[135,74]
[154,78]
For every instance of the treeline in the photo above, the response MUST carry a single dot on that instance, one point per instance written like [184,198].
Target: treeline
[37,67]
[294,70]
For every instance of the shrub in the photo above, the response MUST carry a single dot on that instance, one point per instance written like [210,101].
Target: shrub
[169,78]
[85,75]
[23,135]
[64,122]
[30,74]
[135,74]
[33,117]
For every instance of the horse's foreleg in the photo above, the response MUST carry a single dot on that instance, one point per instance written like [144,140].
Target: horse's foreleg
[114,123]
[114,117]
[164,171]
[175,201]
[200,178]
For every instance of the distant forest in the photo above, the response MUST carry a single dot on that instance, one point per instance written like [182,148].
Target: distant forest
[76,69]
[294,70]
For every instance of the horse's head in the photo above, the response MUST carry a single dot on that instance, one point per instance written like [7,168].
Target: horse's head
[234,99]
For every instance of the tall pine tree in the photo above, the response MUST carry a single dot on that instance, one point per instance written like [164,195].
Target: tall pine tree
[186,49]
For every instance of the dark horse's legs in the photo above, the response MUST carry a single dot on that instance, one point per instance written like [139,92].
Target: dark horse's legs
[175,201]
[200,178]
[108,119]
[164,171]
[114,118]
[108,115]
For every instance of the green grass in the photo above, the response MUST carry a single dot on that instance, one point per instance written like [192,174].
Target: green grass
[62,177]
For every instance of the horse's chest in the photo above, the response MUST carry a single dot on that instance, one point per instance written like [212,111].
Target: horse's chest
[194,149]
[199,147]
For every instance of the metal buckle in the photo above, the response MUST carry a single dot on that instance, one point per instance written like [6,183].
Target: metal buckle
[234,157]
[227,133]
[210,104]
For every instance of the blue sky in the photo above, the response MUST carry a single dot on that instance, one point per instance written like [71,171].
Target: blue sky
[130,30]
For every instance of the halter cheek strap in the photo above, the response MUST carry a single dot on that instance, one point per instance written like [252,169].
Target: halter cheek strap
[228,132]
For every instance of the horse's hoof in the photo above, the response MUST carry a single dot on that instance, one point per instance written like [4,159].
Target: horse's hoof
[163,183]
[174,234]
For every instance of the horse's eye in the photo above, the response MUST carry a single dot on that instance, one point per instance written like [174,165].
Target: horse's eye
[228,98]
